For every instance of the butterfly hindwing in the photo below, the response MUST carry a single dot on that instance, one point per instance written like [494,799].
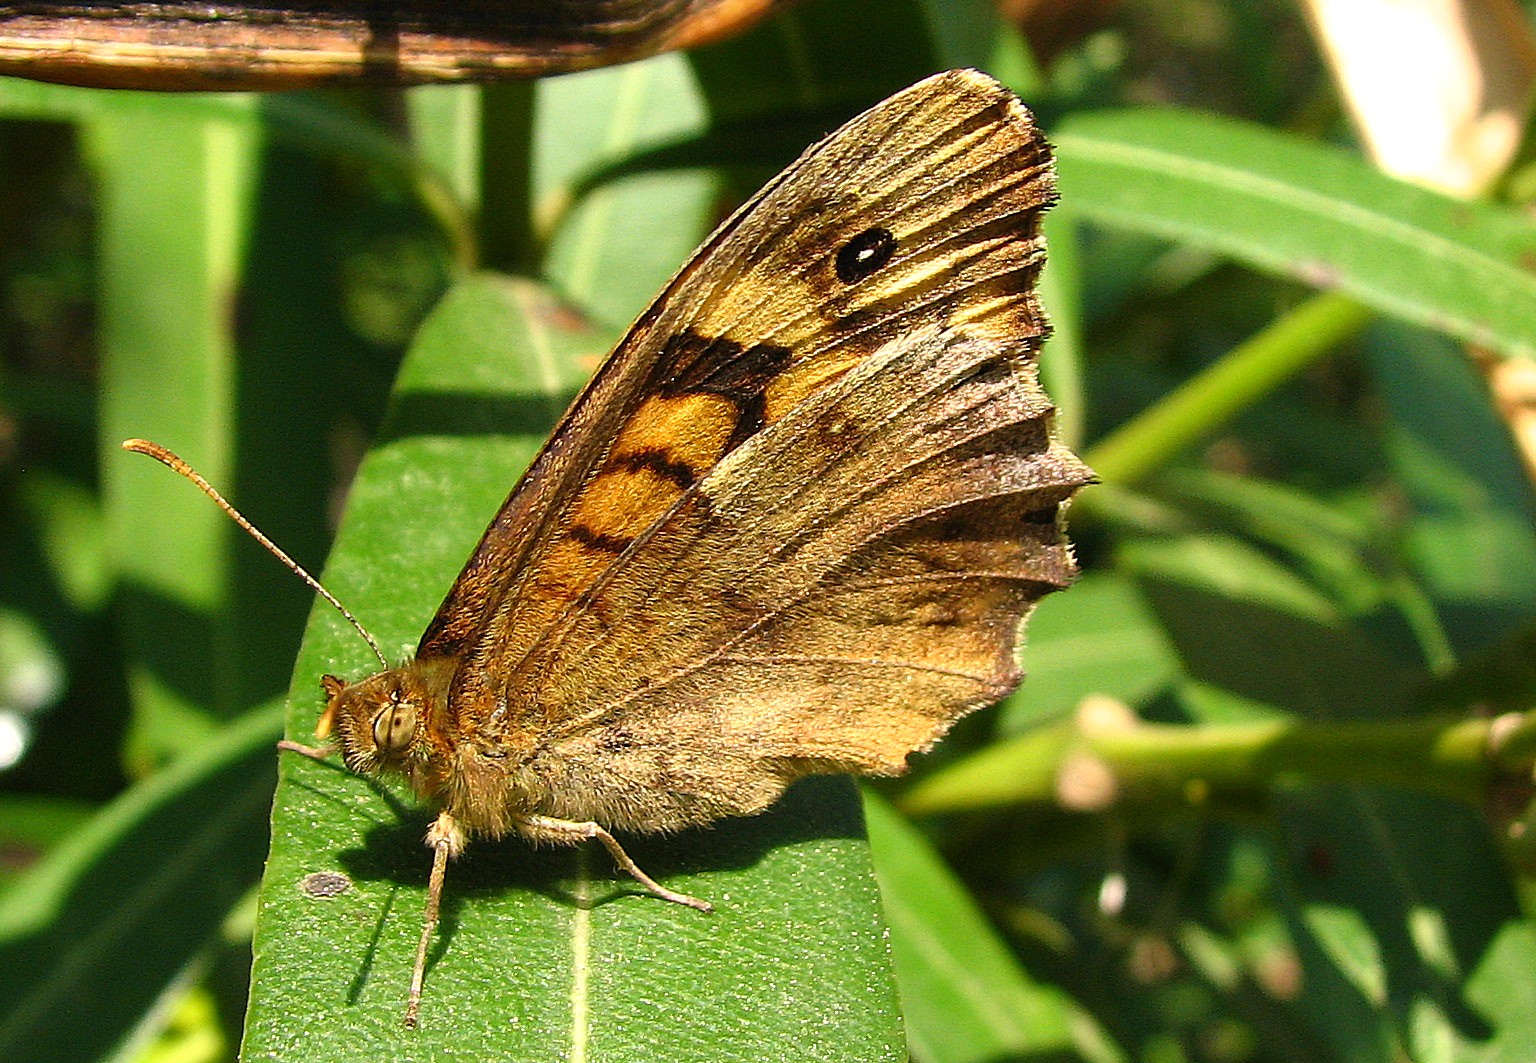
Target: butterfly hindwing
[831,597]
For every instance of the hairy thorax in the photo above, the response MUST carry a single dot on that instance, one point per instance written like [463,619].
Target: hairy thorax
[400,720]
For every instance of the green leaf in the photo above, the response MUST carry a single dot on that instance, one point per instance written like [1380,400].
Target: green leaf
[1344,937]
[1500,678]
[1334,548]
[1502,989]
[67,520]
[225,221]
[611,250]
[542,954]
[92,936]
[965,997]
[1243,622]
[1099,638]
[445,127]
[176,195]
[1396,900]
[1309,212]
[1471,539]
[323,129]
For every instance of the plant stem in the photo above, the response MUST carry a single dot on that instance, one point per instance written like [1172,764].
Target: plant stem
[1211,399]
[1452,758]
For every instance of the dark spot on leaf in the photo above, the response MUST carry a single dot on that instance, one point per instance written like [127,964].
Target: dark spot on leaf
[323,884]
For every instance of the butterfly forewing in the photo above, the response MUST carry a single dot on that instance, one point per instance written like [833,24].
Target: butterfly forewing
[953,166]
[799,514]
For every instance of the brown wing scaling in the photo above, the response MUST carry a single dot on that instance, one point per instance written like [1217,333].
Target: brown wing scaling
[920,217]
[831,597]
[953,168]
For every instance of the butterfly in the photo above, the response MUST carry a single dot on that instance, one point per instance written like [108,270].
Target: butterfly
[792,526]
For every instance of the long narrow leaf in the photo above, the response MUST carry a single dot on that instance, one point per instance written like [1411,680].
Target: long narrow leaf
[548,954]
[965,996]
[1309,212]
[175,202]
[91,937]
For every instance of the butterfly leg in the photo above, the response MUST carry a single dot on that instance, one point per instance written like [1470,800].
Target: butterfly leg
[549,828]
[446,839]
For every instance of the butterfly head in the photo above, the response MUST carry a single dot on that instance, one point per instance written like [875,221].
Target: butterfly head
[385,722]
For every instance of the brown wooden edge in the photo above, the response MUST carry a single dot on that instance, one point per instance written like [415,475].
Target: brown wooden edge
[226,46]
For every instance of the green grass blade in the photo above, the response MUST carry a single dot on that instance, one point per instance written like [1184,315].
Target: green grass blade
[92,936]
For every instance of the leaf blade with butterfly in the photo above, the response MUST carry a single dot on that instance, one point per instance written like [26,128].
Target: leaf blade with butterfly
[880,291]
[330,974]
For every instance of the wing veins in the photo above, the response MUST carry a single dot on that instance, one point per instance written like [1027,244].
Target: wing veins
[677,674]
[954,147]
[871,662]
[574,609]
[581,604]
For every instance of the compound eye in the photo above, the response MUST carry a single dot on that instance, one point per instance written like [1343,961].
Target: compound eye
[394,728]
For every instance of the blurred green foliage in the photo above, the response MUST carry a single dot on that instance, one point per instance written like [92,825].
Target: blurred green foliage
[1253,804]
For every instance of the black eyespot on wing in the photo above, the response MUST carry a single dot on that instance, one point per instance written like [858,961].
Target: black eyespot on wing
[864,254]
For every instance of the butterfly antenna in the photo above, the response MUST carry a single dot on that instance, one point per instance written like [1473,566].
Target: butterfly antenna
[176,464]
